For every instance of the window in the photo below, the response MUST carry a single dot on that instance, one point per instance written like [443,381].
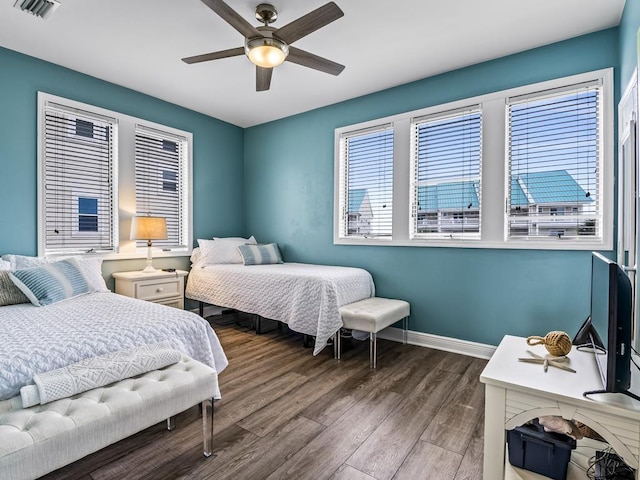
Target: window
[446,162]
[98,168]
[554,159]
[160,166]
[79,153]
[529,167]
[87,214]
[366,189]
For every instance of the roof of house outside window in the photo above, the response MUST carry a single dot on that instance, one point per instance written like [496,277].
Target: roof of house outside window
[356,197]
[551,187]
[449,196]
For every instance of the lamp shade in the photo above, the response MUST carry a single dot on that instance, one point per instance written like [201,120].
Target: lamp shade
[148,228]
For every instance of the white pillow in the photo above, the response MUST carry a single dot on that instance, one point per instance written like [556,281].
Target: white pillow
[247,241]
[222,250]
[91,267]
[5,265]
[19,262]
[195,256]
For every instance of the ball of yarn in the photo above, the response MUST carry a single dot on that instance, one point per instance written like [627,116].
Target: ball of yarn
[556,342]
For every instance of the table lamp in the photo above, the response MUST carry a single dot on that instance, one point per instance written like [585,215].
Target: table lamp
[148,228]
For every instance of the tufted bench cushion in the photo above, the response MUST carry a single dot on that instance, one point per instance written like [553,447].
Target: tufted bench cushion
[43,438]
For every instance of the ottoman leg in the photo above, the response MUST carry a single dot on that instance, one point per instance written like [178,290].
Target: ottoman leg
[373,349]
[405,329]
[207,426]
[171,423]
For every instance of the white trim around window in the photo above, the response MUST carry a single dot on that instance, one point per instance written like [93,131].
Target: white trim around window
[116,203]
[492,187]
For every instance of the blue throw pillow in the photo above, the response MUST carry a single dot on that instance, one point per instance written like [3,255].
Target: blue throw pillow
[51,283]
[260,254]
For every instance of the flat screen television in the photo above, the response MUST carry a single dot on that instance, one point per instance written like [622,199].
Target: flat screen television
[608,329]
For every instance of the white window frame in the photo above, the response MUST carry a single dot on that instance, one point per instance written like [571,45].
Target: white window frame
[414,185]
[343,197]
[181,193]
[124,185]
[494,172]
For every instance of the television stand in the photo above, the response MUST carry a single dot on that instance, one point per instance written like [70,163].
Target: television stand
[517,392]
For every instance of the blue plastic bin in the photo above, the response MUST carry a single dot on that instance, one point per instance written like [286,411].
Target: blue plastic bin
[546,453]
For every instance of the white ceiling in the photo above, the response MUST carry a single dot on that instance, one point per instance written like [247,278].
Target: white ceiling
[139,43]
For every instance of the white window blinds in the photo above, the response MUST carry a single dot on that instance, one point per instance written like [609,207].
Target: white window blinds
[446,171]
[366,184]
[160,182]
[77,173]
[554,163]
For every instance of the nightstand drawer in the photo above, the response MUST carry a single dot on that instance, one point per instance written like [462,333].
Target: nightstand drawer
[151,290]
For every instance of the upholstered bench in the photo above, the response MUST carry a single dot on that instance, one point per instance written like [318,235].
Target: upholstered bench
[43,438]
[372,315]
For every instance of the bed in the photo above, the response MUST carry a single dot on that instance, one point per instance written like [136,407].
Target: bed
[92,368]
[304,296]
[35,340]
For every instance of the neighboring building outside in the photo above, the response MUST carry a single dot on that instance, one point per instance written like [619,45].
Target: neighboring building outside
[548,203]
[360,212]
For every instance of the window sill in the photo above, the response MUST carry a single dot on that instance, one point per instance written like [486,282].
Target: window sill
[127,255]
[477,243]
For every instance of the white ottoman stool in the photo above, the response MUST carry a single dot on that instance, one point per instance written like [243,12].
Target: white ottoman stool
[372,315]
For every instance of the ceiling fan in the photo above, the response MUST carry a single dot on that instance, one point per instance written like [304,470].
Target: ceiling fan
[268,47]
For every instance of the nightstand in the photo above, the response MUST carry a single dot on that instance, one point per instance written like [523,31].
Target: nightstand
[162,287]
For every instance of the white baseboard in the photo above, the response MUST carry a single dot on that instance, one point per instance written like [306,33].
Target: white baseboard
[448,344]
[464,347]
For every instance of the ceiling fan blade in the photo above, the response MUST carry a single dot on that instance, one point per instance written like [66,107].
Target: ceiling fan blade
[233,18]
[309,23]
[263,78]
[306,59]
[205,57]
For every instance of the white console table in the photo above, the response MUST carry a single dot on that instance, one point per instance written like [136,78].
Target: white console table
[516,392]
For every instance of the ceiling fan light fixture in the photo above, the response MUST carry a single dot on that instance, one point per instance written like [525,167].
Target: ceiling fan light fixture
[266,52]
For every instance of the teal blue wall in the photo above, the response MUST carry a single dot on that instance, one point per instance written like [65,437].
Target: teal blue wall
[217,151]
[471,294]
[627,34]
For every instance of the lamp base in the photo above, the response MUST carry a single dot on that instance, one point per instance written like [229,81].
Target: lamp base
[149,269]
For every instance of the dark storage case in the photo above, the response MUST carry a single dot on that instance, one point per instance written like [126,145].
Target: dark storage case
[531,448]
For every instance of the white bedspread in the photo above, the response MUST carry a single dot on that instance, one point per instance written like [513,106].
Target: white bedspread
[39,339]
[306,297]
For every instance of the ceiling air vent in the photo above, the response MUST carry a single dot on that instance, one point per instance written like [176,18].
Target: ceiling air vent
[39,8]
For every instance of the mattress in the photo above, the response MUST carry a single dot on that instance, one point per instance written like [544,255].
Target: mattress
[39,339]
[306,297]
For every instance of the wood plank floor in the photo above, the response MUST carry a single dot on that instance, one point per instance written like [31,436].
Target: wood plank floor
[287,414]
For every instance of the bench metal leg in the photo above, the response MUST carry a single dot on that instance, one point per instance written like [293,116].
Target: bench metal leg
[337,345]
[373,349]
[405,330]
[207,426]
[201,309]
[171,423]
